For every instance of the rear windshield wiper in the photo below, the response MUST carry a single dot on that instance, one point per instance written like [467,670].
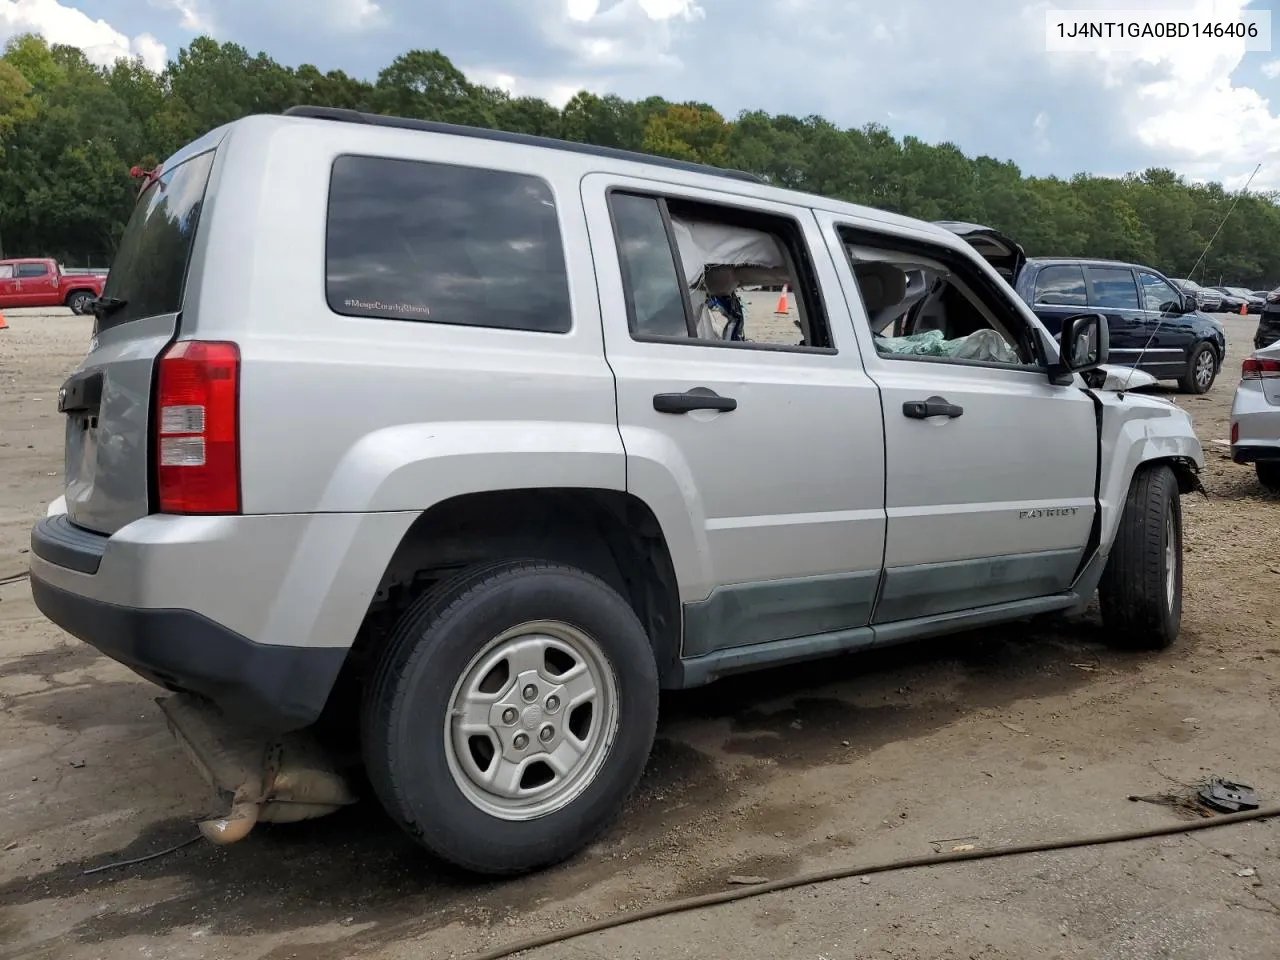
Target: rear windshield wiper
[105,306]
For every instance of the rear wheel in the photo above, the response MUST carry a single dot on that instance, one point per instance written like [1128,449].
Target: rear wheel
[1141,590]
[510,715]
[1268,473]
[1202,370]
[79,302]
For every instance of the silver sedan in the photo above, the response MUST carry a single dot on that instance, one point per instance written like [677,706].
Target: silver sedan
[1255,415]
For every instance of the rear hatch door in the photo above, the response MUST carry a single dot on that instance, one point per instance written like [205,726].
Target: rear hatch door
[107,401]
[1002,252]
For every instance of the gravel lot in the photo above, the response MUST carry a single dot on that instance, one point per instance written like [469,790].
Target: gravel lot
[999,737]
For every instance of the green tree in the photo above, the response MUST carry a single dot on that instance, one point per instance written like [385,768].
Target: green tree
[70,131]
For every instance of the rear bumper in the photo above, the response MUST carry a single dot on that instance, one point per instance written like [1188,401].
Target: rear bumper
[1255,453]
[254,612]
[273,688]
[1255,425]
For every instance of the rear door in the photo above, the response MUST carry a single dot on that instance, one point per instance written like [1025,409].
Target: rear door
[773,445]
[107,400]
[1113,292]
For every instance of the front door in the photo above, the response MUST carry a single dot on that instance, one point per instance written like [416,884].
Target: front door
[991,469]
[1113,292]
[762,452]
[1169,334]
[37,285]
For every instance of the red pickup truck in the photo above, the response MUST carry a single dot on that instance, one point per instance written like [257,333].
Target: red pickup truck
[42,283]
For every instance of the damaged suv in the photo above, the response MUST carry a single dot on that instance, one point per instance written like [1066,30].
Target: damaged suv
[509,437]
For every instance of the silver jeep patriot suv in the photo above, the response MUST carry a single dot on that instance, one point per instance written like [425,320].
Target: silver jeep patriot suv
[470,442]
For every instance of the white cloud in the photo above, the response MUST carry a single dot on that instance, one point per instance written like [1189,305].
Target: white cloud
[152,51]
[1187,108]
[671,9]
[555,92]
[1040,132]
[101,42]
[193,18]
[357,14]
[581,10]
[1271,69]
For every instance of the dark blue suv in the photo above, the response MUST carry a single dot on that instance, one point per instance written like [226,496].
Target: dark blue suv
[1152,325]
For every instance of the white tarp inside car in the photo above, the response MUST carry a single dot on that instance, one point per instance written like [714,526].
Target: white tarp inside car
[718,259]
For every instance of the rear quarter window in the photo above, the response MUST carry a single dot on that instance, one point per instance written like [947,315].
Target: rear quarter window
[438,243]
[1061,285]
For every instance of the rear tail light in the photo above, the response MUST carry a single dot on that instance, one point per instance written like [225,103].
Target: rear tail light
[1235,434]
[1258,368]
[197,442]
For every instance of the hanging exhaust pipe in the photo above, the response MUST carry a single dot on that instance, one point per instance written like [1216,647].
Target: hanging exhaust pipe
[257,779]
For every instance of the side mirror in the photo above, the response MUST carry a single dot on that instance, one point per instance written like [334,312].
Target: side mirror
[1085,345]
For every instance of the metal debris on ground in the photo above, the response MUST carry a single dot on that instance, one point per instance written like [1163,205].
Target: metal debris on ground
[747,881]
[1206,799]
[150,856]
[1228,797]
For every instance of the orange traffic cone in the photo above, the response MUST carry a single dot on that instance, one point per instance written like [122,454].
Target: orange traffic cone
[3,325]
[781,308]
[1244,309]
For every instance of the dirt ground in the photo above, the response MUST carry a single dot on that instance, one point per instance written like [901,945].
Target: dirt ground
[992,738]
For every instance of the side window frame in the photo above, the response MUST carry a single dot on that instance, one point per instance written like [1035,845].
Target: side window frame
[972,280]
[428,323]
[809,288]
[1133,279]
[43,271]
[1084,286]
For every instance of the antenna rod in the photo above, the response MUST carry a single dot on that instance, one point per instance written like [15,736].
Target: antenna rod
[1203,253]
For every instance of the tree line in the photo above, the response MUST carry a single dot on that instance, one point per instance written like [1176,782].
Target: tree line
[70,132]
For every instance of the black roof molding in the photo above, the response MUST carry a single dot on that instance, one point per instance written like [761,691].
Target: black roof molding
[503,136]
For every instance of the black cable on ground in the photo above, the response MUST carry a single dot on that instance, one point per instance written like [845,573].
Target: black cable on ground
[14,578]
[844,873]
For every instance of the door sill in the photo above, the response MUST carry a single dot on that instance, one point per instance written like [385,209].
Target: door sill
[697,671]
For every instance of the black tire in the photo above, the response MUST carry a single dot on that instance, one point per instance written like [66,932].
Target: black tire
[79,302]
[409,698]
[1201,372]
[1268,473]
[1139,610]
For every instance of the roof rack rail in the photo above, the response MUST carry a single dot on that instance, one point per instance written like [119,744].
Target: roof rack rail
[503,136]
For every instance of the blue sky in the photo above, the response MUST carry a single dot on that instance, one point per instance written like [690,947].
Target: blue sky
[975,72]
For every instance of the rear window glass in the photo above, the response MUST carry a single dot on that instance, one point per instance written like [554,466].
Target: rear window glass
[149,271]
[431,242]
[1112,287]
[1061,285]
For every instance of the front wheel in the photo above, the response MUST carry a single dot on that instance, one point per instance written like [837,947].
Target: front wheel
[1141,590]
[1202,370]
[1268,473]
[510,715]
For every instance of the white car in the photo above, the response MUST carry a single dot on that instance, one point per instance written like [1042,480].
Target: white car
[1255,415]
[472,441]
